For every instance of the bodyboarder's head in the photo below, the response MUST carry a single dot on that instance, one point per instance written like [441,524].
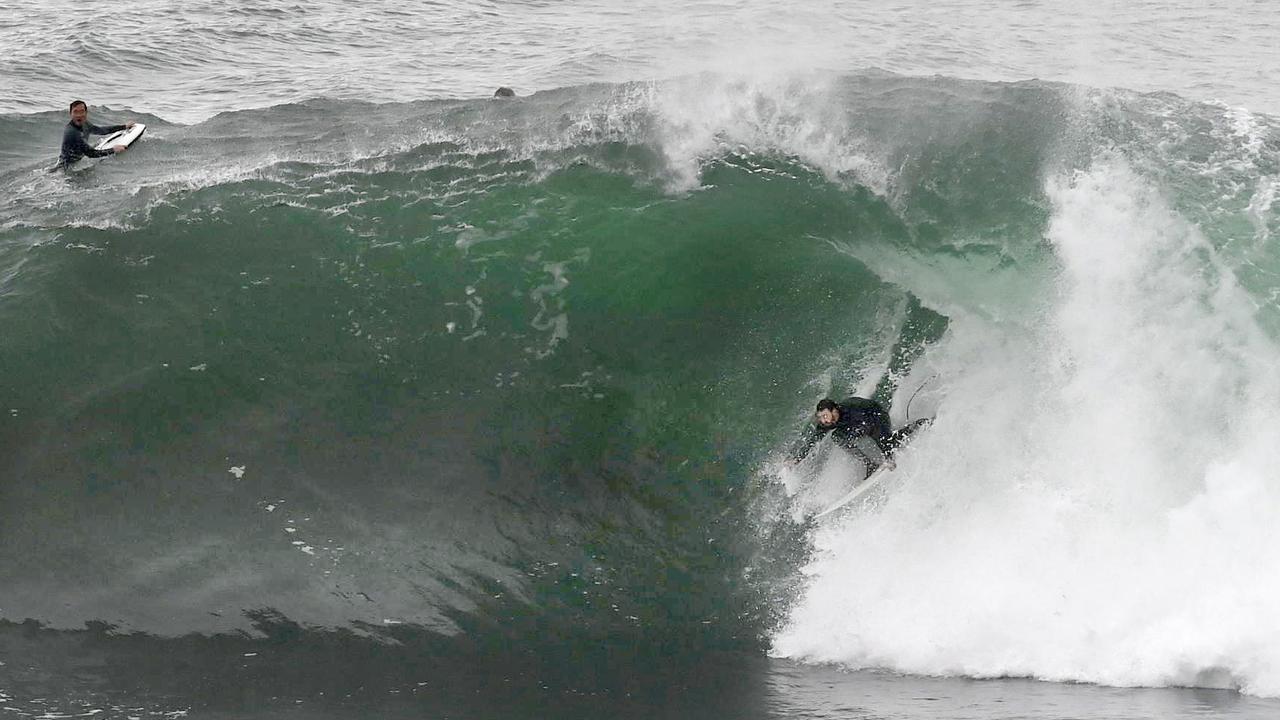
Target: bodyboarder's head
[79,112]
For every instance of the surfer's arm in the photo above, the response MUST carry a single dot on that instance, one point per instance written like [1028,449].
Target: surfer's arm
[884,443]
[806,442]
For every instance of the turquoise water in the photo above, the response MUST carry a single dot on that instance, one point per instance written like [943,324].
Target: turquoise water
[395,402]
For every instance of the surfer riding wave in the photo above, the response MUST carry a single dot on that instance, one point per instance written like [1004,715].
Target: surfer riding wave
[851,420]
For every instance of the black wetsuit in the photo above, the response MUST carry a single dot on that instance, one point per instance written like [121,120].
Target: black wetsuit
[859,417]
[75,145]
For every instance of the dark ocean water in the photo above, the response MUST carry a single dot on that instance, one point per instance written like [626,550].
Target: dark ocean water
[473,408]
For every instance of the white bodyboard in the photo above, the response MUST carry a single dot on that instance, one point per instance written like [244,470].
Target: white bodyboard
[123,137]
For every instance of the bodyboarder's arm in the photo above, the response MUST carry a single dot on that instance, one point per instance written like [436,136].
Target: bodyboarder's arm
[74,146]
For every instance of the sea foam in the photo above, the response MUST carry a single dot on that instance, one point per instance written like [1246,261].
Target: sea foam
[1098,499]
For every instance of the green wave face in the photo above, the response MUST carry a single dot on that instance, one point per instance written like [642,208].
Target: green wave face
[438,364]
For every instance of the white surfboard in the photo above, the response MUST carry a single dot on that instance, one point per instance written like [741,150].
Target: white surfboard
[123,137]
[858,491]
[872,481]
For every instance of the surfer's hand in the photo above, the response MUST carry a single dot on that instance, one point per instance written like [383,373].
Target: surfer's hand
[891,463]
[128,125]
[119,149]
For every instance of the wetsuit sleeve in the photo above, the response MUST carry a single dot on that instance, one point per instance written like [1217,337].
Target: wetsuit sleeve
[74,147]
[94,152]
[806,442]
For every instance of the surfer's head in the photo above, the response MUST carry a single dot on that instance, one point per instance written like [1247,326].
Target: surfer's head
[504,92]
[79,112]
[827,414]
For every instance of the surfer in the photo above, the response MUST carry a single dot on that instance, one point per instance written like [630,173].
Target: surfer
[849,421]
[74,142]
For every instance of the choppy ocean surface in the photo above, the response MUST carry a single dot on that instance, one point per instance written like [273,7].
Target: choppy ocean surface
[352,392]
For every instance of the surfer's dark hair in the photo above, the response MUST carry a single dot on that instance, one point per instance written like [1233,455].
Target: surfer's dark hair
[74,103]
[827,404]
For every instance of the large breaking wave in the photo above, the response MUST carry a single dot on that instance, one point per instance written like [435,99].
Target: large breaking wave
[438,364]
